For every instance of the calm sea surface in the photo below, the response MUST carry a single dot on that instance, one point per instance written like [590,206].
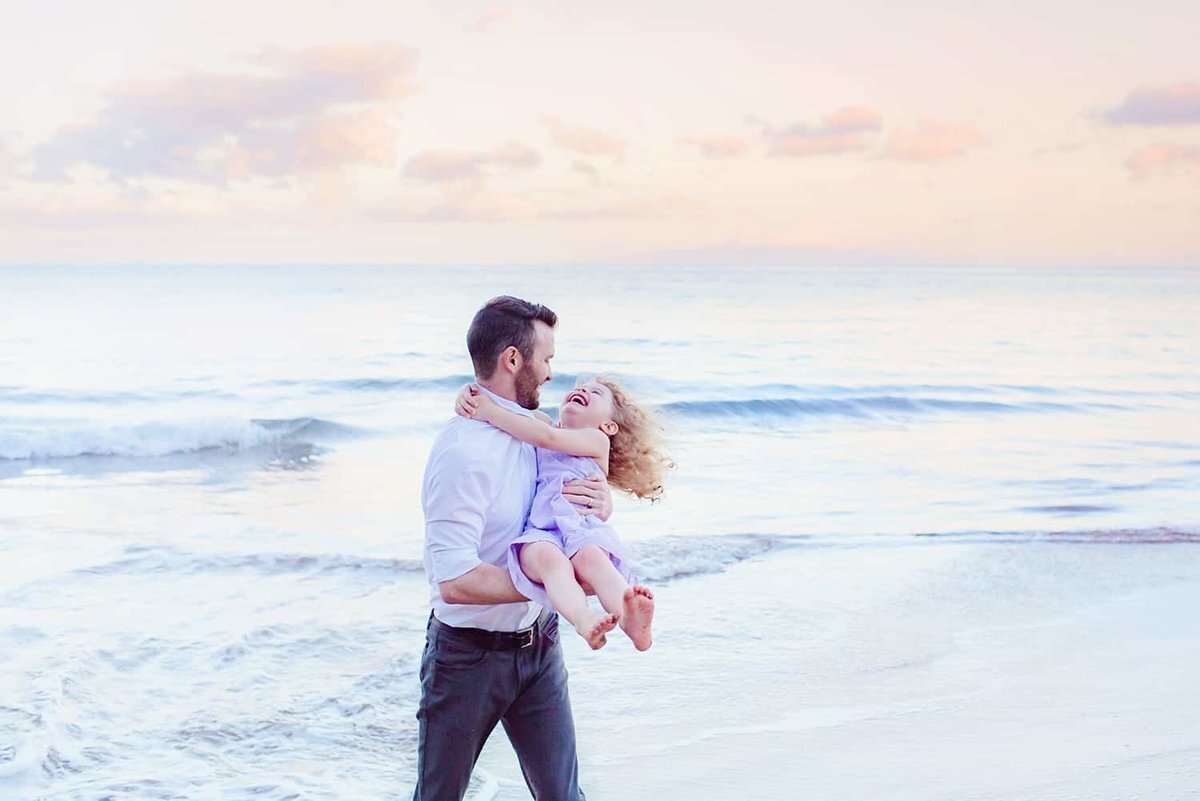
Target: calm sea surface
[209,477]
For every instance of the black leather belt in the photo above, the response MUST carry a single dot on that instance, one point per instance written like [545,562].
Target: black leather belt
[493,640]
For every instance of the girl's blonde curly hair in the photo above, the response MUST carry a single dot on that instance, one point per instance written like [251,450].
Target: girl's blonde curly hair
[636,461]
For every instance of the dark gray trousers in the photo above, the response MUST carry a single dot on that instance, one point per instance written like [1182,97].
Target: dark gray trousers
[466,690]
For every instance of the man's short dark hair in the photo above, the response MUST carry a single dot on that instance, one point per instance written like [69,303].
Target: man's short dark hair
[504,321]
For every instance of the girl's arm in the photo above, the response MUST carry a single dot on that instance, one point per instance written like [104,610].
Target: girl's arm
[574,441]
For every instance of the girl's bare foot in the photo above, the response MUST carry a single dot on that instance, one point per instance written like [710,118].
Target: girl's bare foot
[594,629]
[637,615]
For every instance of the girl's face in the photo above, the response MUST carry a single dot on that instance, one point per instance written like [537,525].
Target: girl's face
[589,405]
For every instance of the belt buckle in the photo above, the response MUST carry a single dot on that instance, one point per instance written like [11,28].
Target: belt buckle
[526,637]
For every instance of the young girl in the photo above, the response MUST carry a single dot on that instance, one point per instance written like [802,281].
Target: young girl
[599,426]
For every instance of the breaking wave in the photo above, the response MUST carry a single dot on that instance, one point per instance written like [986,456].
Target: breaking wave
[152,439]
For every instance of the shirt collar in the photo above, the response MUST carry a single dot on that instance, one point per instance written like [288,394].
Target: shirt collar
[506,403]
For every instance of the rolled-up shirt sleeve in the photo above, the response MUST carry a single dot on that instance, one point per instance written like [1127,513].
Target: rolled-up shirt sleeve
[457,494]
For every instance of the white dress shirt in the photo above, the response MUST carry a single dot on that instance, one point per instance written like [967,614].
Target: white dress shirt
[479,485]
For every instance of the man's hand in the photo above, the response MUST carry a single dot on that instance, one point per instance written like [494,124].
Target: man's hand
[590,496]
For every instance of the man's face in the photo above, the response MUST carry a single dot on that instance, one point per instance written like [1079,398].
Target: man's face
[535,370]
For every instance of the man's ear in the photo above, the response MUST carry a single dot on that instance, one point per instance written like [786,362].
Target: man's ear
[610,427]
[510,359]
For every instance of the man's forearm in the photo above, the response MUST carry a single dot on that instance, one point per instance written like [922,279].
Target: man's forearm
[483,584]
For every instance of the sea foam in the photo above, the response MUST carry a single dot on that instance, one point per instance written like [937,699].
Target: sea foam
[165,438]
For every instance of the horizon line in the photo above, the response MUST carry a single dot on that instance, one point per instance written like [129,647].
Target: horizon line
[622,264]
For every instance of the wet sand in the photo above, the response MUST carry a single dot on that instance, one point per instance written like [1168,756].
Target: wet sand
[946,670]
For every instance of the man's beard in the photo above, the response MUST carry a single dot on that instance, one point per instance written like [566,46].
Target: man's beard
[527,388]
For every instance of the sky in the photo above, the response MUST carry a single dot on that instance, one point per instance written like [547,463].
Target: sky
[656,133]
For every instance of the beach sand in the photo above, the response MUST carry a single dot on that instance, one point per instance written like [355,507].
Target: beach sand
[937,670]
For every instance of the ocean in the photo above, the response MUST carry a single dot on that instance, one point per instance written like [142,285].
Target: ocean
[211,531]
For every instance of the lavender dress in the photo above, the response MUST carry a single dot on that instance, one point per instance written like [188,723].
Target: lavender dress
[552,518]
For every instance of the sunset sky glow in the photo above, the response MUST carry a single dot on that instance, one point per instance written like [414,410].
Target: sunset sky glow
[627,132]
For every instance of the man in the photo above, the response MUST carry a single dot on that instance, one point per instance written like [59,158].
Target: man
[491,655]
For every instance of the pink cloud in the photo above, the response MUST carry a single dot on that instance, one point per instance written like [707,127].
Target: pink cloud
[718,147]
[854,118]
[1163,157]
[517,155]
[932,141]
[444,165]
[368,137]
[488,20]
[1169,105]
[301,110]
[584,141]
[447,166]
[849,129]
[323,143]
[8,162]
[348,73]
[584,168]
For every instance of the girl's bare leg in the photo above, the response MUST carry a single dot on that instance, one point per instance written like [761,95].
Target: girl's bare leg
[633,605]
[546,564]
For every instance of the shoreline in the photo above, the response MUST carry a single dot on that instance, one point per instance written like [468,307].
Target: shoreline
[1073,680]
